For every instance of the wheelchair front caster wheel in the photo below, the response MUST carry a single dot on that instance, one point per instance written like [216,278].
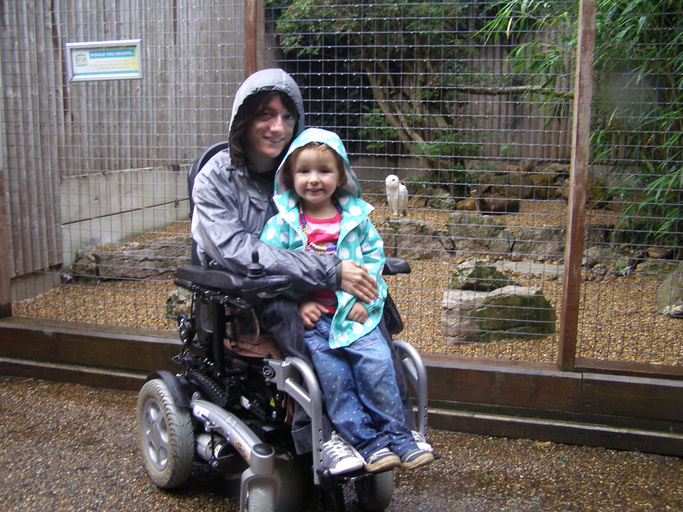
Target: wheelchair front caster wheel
[375,491]
[261,497]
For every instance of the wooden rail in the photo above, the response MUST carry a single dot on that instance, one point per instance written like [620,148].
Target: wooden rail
[511,399]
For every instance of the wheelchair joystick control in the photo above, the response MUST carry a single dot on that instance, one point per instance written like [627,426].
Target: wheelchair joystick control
[255,270]
[258,285]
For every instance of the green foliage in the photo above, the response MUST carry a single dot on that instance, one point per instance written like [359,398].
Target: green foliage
[375,130]
[410,55]
[637,122]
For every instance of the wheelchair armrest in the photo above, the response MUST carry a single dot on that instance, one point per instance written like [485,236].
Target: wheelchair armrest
[393,266]
[211,278]
[226,282]
[265,287]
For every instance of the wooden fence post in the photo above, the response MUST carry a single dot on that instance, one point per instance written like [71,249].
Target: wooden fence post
[254,36]
[580,153]
[5,289]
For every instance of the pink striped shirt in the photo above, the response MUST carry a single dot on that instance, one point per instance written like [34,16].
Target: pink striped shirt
[323,235]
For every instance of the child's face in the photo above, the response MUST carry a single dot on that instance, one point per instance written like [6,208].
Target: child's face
[316,175]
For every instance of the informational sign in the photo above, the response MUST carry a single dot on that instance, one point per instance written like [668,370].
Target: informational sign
[104,60]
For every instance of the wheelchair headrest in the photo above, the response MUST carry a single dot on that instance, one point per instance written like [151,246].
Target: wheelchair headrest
[200,162]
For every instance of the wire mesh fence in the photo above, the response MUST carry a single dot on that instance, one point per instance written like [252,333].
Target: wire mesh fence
[469,104]
[96,170]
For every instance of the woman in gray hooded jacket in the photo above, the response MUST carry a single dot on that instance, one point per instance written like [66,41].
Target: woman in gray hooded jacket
[232,192]
[232,196]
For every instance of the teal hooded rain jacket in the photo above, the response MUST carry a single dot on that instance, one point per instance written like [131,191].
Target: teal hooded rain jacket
[358,238]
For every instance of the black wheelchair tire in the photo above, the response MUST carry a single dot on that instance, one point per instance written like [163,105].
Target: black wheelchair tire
[375,491]
[165,436]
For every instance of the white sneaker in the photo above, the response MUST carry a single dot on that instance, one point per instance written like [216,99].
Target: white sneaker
[421,442]
[340,457]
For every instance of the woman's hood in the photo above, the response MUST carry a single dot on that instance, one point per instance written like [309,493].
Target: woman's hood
[273,79]
[330,139]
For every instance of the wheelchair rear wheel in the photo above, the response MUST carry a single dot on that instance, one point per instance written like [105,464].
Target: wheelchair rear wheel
[165,436]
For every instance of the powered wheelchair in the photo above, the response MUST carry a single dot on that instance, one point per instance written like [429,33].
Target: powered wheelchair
[229,404]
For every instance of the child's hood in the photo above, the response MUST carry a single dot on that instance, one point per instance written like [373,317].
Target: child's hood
[330,139]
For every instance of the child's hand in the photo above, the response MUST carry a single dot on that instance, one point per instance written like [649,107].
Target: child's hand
[358,313]
[310,312]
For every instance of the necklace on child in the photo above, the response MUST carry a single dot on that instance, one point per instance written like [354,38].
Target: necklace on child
[319,248]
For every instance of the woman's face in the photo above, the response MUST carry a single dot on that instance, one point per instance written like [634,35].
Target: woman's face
[268,134]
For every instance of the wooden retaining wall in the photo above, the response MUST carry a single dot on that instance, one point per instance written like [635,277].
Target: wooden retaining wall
[510,399]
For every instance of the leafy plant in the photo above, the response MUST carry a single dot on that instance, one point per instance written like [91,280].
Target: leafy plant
[637,123]
[410,55]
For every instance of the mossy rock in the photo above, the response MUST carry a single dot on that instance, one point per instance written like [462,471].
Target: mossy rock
[477,276]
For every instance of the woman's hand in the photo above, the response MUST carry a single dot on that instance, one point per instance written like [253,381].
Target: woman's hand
[310,312]
[358,313]
[356,281]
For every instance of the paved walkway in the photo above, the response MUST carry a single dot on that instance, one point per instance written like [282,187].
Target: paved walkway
[66,447]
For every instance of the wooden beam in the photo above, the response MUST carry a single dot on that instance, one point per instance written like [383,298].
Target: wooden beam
[5,288]
[254,36]
[557,431]
[535,387]
[94,377]
[571,283]
[633,397]
[87,346]
[490,397]
[628,369]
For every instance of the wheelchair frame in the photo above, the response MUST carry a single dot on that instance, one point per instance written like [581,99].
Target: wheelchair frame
[291,376]
[223,438]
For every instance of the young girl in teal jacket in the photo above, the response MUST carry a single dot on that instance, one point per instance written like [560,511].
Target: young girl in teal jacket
[320,209]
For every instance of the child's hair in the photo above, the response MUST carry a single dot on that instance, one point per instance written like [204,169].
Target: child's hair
[288,179]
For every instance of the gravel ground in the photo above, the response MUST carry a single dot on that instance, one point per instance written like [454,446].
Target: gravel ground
[67,447]
[618,321]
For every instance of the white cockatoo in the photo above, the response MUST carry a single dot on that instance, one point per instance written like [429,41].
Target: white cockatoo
[397,195]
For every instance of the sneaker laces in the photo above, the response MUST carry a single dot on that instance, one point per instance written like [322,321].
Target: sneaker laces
[418,436]
[337,449]
[421,441]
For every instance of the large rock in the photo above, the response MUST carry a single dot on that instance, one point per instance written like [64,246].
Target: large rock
[495,204]
[657,270]
[510,182]
[132,260]
[599,234]
[540,244]
[608,256]
[84,268]
[467,205]
[504,313]
[476,236]
[596,193]
[670,294]
[142,261]
[441,200]
[477,276]
[177,302]
[548,179]
[414,240]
